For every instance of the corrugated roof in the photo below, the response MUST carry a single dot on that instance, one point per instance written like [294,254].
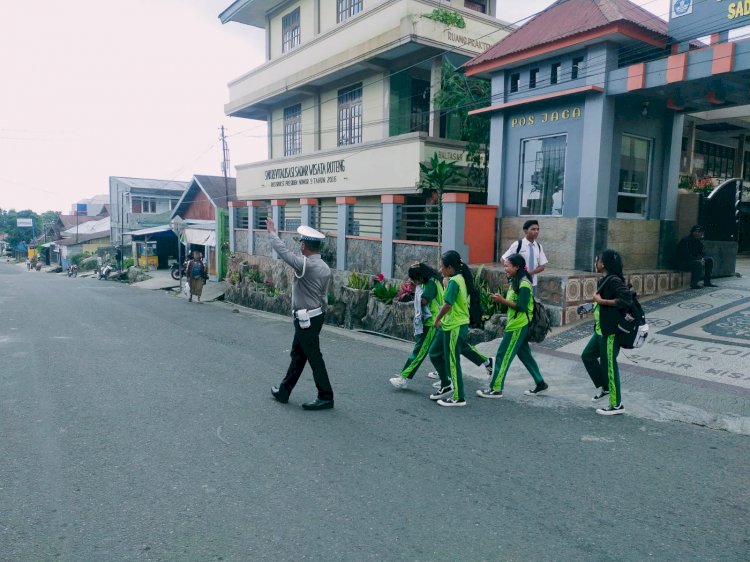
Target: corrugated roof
[567,18]
[152,184]
[216,189]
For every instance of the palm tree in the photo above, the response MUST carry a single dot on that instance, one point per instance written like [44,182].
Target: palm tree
[436,175]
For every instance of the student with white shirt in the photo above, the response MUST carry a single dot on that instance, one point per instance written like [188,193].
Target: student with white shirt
[530,249]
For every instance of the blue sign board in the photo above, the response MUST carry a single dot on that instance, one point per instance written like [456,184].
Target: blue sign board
[81,209]
[690,19]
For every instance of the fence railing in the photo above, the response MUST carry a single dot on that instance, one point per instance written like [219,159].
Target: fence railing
[261,215]
[419,223]
[240,217]
[292,217]
[366,220]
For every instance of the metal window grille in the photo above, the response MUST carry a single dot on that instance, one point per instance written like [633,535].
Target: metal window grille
[315,217]
[350,115]
[292,217]
[290,31]
[347,8]
[366,219]
[240,217]
[418,223]
[293,130]
[261,215]
[329,216]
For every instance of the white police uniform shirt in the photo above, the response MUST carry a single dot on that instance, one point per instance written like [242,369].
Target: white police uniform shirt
[310,291]
[539,257]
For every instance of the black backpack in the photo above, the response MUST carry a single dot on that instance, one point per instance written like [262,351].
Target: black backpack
[540,324]
[632,328]
[518,248]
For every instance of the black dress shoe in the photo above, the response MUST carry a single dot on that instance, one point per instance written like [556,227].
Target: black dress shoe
[709,284]
[318,404]
[280,396]
[695,287]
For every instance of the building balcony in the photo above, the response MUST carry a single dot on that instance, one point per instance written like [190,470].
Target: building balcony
[388,166]
[394,34]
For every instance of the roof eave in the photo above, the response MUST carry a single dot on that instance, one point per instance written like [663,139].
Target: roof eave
[627,29]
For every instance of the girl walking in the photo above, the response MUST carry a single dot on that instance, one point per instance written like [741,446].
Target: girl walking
[428,298]
[520,305]
[451,338]
[611,300]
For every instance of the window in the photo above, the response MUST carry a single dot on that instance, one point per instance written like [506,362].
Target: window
[350,115]
[635,170]
[293,130]
[476,5]
[514,80]
[347,8]
[290,31]
[554,73]
[714,160]
[542,175]
[143,205]
[577,69]
[173,203]
[533,74]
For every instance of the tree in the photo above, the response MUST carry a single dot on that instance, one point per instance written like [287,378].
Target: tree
[459,95]
[436,175]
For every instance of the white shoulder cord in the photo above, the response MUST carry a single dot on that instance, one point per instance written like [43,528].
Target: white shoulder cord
[304,265]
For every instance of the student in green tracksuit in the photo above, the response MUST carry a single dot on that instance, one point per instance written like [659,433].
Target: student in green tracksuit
[453,330]
[428,298]
[520,303]
[599,356]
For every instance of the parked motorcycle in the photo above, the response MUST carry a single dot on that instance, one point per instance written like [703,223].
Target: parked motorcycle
[106,269]
[178,270]
[72,270]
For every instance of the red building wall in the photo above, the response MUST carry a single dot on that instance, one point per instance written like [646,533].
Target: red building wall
[198,206]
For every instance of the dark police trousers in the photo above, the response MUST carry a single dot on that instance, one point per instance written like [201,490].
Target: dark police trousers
[306,347]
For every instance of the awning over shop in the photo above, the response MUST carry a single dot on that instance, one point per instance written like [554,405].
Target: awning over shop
[199,236]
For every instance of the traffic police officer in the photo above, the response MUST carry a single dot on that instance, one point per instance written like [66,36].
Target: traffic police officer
[309,297]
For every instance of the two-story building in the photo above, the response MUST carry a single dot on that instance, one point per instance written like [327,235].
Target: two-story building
[137,203]
[348,96]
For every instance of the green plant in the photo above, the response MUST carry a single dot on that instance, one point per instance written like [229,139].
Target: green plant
[457,96]
[686,182]
[383,291]
[434,177]
[234,277]
[127,263]
[489,306]
[447,17]
[358,281]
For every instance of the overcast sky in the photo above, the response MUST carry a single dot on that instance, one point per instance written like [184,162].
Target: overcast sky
[97,88]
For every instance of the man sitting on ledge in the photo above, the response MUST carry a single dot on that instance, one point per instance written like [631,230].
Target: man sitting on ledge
[690,257]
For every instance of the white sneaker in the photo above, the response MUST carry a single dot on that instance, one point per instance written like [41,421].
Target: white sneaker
[444,392]
[399,381]
[436,384]
[433,375]
[451,402]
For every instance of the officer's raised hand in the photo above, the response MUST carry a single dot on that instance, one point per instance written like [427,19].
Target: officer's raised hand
[270,227]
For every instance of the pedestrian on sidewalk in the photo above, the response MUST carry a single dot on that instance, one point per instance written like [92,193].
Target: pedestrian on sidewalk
[428,299]
[197,274]
[531,250]
[520,303]
[310,282]
[611,300]
[452,322]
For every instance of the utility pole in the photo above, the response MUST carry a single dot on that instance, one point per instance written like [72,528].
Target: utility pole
[225,164]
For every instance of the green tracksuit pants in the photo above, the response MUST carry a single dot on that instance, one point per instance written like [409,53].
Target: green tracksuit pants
[422,348]
[600,359]
[420,351]
[514,343]
[445,354]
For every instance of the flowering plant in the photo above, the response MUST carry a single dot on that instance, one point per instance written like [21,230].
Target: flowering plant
[406,292]
[703,185]
[384,291]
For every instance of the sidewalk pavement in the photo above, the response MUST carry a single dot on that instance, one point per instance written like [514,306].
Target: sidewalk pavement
[691,369]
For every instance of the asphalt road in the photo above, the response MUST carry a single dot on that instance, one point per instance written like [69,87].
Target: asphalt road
[136,426]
